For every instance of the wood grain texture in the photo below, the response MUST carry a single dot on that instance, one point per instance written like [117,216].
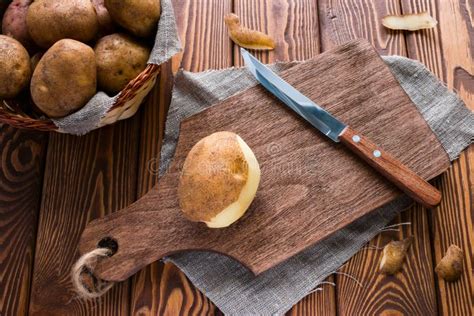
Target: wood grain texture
[341,21]
[162,288]
[409,292]
[294,26]
[203,34]
[319,303]
[21,176]
[345,20]
[448,51]
[452,224]
[393,170]
[313,157]
[85,178]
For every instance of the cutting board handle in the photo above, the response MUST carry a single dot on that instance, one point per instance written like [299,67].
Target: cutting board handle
[139,234]
[152,228]
[391,168]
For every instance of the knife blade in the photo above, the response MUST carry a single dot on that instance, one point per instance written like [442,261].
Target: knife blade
[391,168]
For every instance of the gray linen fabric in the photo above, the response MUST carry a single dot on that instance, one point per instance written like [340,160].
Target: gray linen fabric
[166,46]
[230,285]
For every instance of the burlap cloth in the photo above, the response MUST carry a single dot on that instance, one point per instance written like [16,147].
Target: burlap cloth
[166,45]
[231,286]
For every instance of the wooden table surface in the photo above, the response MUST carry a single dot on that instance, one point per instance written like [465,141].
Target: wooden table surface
[52,185]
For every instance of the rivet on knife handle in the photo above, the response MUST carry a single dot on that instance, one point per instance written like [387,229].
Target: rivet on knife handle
[402,176]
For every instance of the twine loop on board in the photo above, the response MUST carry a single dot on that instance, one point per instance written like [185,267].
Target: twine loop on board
[86,284]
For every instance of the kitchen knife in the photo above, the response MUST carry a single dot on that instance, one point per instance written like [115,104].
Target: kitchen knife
[392,169]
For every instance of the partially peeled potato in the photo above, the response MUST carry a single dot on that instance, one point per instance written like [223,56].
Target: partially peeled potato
[219,180]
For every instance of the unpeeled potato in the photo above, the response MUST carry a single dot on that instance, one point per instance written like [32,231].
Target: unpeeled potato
[49,21]
[106,25]
[65,78]
[219,180]
[14,22]
[139,17]
[120,59]
[15,67]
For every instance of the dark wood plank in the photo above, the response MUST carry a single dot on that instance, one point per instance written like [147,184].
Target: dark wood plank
[163,288]
[410,292]
[320,302]
[452,224]
[85,178]
[448,51]
[21,174]
[283,212]
[345,20]
[292,24]
[295,28]
[203,34]
[341,21]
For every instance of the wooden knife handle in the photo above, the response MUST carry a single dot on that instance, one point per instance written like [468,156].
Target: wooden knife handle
[399,174]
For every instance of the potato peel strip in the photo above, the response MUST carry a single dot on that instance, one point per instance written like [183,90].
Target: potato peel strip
[410,22]
[245,37]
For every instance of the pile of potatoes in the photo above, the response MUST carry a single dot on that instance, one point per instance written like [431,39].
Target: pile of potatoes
[76,48]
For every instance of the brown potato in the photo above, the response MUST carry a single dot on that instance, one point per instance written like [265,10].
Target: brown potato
[15,66]
[65,78]
[120,59]
[219,180]
[139,17]
[49,21]
[14,22]
[106,25]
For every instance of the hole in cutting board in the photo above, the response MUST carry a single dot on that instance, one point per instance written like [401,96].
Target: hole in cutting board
[110,243]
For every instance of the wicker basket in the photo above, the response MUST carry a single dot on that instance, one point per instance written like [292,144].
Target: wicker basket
[126,105]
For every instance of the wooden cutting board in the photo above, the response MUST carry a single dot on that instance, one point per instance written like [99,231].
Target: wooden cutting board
[310,187]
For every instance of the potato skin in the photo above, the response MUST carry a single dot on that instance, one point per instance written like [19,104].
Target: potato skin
[208,181]
[106,25]
[450,268]
[120,59]
[246,37]
[65,78]
[14,22]
[15,65]
[49,21]
[138,17]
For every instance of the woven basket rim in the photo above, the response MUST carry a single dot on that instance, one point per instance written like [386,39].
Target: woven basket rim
[10,112]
